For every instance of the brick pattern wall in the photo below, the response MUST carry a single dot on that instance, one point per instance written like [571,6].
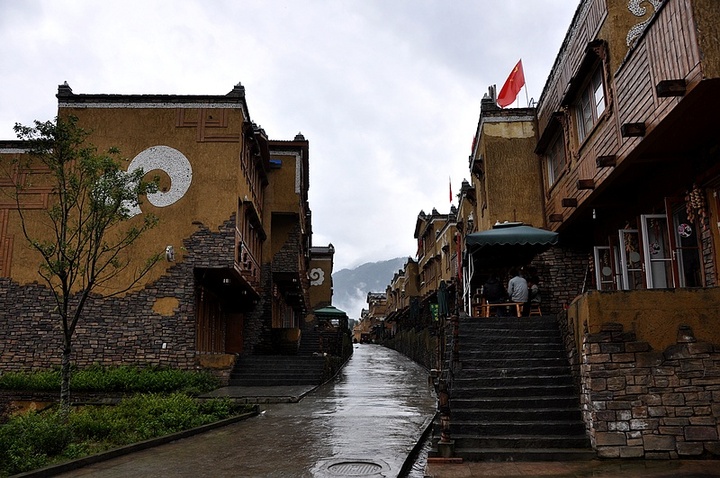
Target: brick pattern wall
[112,331]
[567,328]
[286,259]
[258,323]
[708,257]
[563,272]
[640,403]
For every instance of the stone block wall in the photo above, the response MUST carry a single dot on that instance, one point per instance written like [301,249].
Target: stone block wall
[563,272]
[642,403]
[708,257]
[117,330]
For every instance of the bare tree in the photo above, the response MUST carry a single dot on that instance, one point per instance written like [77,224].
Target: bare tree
[84,236]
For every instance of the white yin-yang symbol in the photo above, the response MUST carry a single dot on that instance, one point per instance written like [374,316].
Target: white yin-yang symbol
[174,164]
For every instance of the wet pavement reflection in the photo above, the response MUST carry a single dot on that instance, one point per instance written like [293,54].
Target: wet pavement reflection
[365,423]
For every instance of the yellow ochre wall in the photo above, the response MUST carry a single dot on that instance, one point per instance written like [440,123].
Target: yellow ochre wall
[653,315]
[512,175]
[321,284]
[213,153]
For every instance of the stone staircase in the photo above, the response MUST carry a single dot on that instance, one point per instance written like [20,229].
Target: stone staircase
[309,342]
[305,368]
[274,370]
[513,398]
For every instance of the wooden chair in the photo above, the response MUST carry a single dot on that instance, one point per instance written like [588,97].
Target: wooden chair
[535,309]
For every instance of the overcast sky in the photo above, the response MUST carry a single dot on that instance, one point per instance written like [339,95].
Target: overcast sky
[386,91]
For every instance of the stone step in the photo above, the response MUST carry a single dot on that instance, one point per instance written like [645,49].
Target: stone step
[501,380]
[530,352]
[270,370]
[515,403]
[509,372]
[526,415]
[519,362]
[549,390]
[528,454]
[521,441]
[524,323]
[515,427]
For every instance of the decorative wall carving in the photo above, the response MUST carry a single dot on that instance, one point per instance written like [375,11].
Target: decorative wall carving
[316,276]
[174,164]
[636,8]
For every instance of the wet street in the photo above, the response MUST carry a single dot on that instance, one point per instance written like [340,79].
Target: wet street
[366,423]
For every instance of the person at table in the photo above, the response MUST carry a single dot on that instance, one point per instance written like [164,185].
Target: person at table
[533,291]
[518,291]
[494,293]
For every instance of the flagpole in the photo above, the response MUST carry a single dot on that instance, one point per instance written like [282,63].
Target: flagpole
[527,98]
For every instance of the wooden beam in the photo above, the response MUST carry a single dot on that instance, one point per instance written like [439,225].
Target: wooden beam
[631,130]
[569,202]
[586,184]
[667,88]
[606,161]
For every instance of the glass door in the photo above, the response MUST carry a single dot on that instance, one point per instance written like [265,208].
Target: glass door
[658,253]
[686,249]
[631,264]
[605,274]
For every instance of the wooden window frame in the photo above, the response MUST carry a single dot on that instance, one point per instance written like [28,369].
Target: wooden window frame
[555,159]
[591,103]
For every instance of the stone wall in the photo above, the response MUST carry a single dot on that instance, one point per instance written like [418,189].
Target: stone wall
[642,403]
[708,257]
[563,274]
[118,330]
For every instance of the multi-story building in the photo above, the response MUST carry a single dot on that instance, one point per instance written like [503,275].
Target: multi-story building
[437,252]
[233,217]
[505,172]
[621,158]
[628,141]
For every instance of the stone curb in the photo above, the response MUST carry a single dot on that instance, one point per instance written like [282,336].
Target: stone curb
[412,456]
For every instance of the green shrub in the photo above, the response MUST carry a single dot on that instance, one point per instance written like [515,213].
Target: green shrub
[37,439]
[123,379]
[41,381]
[26,441]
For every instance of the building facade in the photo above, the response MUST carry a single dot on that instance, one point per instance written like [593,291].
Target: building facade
[621,158]
[233,219]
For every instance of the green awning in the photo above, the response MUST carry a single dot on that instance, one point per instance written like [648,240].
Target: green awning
[509,245]
[512,236]
[329,312]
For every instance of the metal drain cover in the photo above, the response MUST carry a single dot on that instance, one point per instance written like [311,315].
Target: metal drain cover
[356,467]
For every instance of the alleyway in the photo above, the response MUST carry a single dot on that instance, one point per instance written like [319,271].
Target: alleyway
[366,421]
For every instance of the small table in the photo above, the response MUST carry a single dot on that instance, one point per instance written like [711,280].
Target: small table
[484,308]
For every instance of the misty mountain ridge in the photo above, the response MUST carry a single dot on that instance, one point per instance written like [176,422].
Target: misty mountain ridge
[351,286]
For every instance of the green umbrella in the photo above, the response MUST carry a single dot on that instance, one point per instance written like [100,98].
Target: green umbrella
[509,245]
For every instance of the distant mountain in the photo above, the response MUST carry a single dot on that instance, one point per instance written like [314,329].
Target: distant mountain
[351,286]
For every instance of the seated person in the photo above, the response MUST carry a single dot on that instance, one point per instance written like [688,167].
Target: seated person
[494,293]
[533,293]
[518,291]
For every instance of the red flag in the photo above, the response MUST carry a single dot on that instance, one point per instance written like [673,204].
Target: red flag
[512,86]
[450,180]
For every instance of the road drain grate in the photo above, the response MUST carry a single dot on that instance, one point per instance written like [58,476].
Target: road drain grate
[356,467]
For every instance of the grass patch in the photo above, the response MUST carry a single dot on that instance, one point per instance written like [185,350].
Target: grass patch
[123,379]
[35,440]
